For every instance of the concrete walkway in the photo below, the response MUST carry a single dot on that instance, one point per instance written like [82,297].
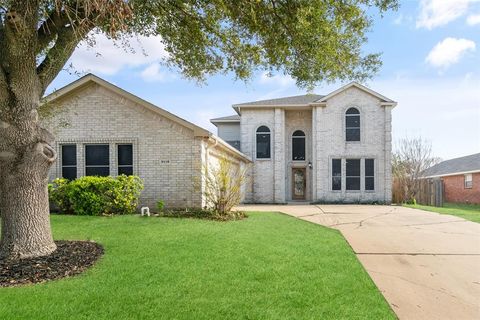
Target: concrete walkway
[426,265]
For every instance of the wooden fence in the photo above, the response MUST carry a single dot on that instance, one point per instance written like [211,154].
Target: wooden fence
[430,192]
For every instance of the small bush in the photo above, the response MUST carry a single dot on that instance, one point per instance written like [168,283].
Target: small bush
[96,196]
[160,205]
[202,214]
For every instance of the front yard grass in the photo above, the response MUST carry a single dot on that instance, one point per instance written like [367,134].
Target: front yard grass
[269,266]
[466,211]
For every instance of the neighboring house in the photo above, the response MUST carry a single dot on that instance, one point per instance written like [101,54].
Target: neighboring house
[461,178]
[103,130]
[333,148]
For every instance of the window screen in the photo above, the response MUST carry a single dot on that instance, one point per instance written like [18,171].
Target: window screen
[353,174]
[125,159]
[369,174]
[69,161]
[352,125]
[336,174]
[97,160]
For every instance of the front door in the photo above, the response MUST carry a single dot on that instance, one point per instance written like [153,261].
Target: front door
[299,183]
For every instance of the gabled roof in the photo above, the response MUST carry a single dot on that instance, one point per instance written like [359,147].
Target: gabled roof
[384,100]
[467,164]
[308,100]
[229,119]
[90,78]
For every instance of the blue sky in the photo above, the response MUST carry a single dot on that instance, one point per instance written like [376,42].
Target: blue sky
[431,67]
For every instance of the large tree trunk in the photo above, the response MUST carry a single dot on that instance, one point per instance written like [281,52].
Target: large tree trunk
[25,160]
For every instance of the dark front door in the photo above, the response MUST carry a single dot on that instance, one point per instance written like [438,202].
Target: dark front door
[299,183]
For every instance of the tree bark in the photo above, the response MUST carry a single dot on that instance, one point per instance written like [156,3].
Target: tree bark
[25,161]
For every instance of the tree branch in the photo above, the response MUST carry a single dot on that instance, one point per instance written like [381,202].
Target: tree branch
[67,40]
[48,30]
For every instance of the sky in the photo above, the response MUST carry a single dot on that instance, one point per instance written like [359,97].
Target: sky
[431,67]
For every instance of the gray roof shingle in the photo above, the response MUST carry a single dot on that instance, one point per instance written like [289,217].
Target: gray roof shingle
[463,164]
[293,100]
[235,117]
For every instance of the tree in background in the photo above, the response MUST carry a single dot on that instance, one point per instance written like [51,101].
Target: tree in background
[411,158]
[312,40]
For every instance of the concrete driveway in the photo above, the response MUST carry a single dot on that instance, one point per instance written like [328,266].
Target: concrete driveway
[426,265]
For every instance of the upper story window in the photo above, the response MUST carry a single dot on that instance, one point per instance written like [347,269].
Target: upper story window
[263,143]
[125,159]
[468,181]
[97,160]
[69,161]
[352,125]
[298,146]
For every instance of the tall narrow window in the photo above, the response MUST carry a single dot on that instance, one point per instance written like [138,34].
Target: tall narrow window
[352,174]
[369,174]
[97,160]
[468,181]
[298,146]
[69,161]
[336,174]
[263,143]
[125,159]
[352,125]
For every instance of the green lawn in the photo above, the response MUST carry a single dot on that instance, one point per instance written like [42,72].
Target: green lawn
[269,266]
[466,211]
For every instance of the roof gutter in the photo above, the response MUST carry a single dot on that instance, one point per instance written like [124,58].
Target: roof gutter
[452,174]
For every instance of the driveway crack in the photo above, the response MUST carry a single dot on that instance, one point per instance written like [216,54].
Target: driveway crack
[420,285]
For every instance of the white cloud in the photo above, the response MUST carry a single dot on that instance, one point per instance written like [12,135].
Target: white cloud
[435,13]
[154,73]
[473,19]
[277,80]
[107,57]
[449,51]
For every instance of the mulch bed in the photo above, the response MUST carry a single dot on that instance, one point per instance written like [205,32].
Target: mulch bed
[195,213]
[70,258]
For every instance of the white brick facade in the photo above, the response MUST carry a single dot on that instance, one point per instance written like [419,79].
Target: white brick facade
[323,121]
[168,153]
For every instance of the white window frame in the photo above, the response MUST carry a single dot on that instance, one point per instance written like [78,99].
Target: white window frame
[468,181]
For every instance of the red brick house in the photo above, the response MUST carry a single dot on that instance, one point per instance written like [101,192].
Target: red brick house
[461,178]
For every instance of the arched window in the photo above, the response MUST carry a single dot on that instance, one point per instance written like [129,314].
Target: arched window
[352,125]
[263,143]
[298,146]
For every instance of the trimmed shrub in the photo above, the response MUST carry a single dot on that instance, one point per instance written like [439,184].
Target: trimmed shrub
[96,196]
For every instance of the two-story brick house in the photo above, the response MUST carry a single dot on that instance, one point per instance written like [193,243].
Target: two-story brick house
[333,148]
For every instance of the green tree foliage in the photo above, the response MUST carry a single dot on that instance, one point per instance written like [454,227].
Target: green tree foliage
[312,40]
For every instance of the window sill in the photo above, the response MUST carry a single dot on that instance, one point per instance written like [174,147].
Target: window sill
[263,159]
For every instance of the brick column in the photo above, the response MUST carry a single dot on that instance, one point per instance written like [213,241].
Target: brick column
[279,157]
